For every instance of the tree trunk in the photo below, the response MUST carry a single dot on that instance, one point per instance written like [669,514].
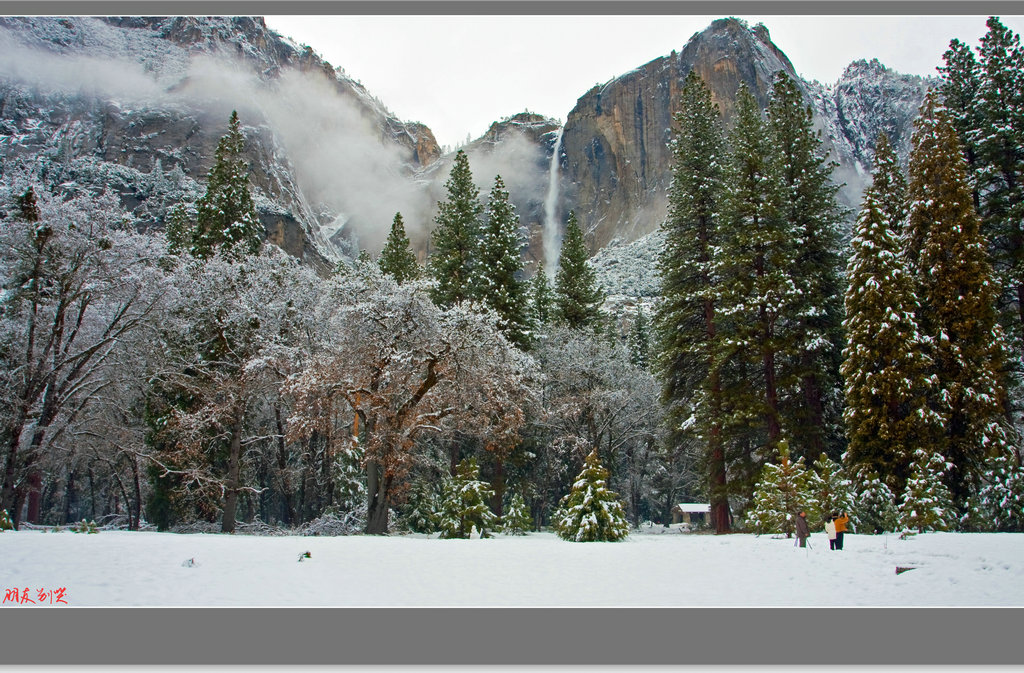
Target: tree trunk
[231,483]
[498,484]
[287,497]
[135,511]
[35,485]
[377,505]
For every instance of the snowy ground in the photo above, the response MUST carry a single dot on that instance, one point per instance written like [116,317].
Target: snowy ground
[120,568]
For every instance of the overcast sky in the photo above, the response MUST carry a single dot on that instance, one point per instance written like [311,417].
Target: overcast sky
[457,74]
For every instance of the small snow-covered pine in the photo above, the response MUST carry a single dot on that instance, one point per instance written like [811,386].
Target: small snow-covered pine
[423,505]
[927,503]
[590,512]
[783,491]
[832,490]
[999,504]
[517,518]
[5,521]
[876,511]
[464,504]
[397,258]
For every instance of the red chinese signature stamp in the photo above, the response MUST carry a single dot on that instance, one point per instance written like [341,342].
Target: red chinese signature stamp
[39,597]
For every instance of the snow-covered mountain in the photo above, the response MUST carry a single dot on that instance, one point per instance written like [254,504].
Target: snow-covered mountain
[137,104]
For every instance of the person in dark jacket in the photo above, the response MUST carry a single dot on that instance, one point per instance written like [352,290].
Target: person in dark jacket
[802,530]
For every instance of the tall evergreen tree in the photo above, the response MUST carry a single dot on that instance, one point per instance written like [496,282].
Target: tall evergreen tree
[578,297]
[961,80]
[542,298]
[957,295]
[501,264]
[684,324]
[756,297]
[808,208]
[226,217]
[397,259]
[999,142]
[454,261]
[886,368]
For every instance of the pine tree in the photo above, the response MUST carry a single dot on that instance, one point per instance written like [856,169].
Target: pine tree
[454,261]
[501,265]
[876,511]
[423,505]
[349,479]
[957,295]
[464,504]
[226,216]
[517,518]
[542,299]
[927,504]
[783,491]
[755,297]
[830,487]
[684,324]
[984,96]
[961,80]
[999,504]
[639,341]
[590,512]
[578,297]
[886,369]
[807,207]
[397,259]
[5,521]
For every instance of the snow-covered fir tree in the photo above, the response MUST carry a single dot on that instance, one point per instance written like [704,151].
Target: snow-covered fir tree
[927,504]
[397,259]
[684,324]
[783,491]
[454,260]
[577,296]
[590,512]
[464,504]
[808,208]
[542,297]
[997,138]
[225,216]
[501,265]
[755,298]
[422,505]
[516,520]
[886,367]
[875,511]
[349,479]
[957,292]
[639,341]
[999,504]
[5,521]
[831,488]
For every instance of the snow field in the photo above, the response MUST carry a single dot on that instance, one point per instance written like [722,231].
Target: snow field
[120,568]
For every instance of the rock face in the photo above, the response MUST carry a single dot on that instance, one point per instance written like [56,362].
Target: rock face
[616,159]
[138,104]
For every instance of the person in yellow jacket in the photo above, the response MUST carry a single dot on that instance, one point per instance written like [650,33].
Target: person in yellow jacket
[841,520]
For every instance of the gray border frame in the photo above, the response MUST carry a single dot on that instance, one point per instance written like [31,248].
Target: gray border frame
[520,636]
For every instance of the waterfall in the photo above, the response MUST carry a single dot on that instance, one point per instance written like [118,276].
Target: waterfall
[551,223]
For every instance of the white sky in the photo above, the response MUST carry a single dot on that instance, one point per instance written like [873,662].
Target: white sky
[457,74]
